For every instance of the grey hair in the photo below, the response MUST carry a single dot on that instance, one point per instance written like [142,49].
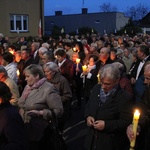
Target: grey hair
[51,66]
[35,70]
[1,35]
[42,49]
[50,55]
[46,45]
[109,71]
[3,70]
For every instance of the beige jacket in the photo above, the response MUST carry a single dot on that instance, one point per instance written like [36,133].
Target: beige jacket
[43,98]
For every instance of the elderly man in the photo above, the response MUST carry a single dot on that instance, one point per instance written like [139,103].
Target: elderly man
[104,57]
[34,52]
[11,84]
[108,113]
[127,58]
[143,140]
[47,56]
[25,61]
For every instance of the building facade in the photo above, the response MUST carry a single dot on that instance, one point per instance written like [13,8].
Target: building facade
[21,17]
[145,24]
[102,22]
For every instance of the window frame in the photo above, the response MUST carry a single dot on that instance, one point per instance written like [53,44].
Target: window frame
[23,27]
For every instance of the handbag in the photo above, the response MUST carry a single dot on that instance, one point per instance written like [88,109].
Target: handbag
[53,136]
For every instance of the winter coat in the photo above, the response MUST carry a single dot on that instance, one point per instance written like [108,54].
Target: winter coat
[43,98]
[12,135]
[117,115]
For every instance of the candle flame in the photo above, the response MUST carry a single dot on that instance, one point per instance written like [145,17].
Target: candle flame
[137,112]
[11,51]
[84,68]
[74,49]
[77,60]
[18,73]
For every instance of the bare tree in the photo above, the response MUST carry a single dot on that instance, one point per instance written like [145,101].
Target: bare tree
[137,12]
[108,7]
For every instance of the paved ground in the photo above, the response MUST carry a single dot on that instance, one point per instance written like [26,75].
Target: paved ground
[75,128]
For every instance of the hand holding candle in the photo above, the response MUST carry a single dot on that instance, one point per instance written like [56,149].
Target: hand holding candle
[77,61]
[135,126]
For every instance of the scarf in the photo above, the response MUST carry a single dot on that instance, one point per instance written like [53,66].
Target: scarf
[91,67]
[36,85]
[104,96]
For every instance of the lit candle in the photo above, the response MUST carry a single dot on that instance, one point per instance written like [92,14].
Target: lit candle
[84,68]
[77,62]
[56,56]
[18,73]
[74,49]
[98,77]
[135,125]
[11,51]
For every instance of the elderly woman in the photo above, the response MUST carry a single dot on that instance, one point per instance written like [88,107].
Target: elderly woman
[38,100]
[54,76]
[108,113]
[40,52]
[12,135]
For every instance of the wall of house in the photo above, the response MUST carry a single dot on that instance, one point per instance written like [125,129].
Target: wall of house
[28,7]
[102,22]
[121,20]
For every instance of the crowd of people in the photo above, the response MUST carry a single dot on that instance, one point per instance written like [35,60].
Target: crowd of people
[111,73]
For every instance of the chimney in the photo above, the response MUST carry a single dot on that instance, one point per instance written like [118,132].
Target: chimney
[58,13]
[84,10]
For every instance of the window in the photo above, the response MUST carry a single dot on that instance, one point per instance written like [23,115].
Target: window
[18,23]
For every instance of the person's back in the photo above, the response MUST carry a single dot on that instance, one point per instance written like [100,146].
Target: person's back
[12,134]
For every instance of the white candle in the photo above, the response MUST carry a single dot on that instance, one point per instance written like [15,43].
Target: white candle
[77,62]
[18,73]
[98,77]
[135,125]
